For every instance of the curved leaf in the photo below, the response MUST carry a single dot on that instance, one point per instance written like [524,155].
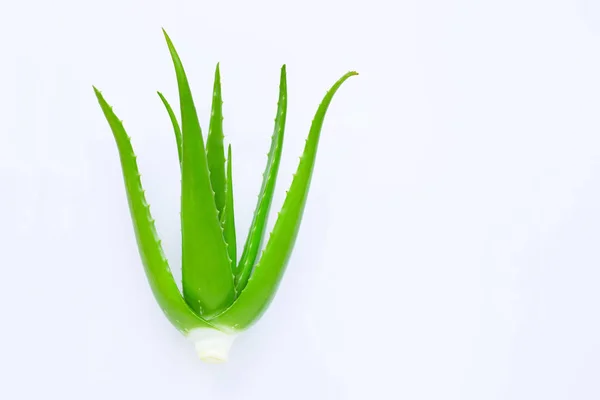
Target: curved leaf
[262,285]
[173,118]
[259,221]
[155,263]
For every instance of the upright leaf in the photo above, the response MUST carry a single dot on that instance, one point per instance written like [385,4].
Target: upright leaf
[214,145]
[156,266]
[207,279]
[262,285]
[228,217]
[176,128]
[259,221]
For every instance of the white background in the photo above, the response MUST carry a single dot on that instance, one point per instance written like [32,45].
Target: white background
[451,243]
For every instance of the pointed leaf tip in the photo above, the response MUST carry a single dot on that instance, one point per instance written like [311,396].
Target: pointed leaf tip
[214,145]
[256,233]
[228,217]
[175,124]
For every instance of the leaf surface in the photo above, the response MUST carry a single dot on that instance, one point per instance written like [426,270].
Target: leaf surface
[207,279]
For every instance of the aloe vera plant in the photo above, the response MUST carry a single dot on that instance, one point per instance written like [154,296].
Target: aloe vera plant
[222,296]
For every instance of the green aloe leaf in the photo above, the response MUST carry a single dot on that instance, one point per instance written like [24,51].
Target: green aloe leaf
[265,279]
[228,216]
[215,152]
[257,227]
[156,266]
[176,128]
[207,279]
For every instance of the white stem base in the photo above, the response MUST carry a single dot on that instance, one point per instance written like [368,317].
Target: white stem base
[211,345]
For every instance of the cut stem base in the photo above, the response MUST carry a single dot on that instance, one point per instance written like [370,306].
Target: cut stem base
[211,345]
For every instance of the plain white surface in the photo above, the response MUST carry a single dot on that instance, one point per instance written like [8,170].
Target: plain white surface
[450,246]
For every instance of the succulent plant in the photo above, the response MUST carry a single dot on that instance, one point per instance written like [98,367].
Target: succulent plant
[221,295]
